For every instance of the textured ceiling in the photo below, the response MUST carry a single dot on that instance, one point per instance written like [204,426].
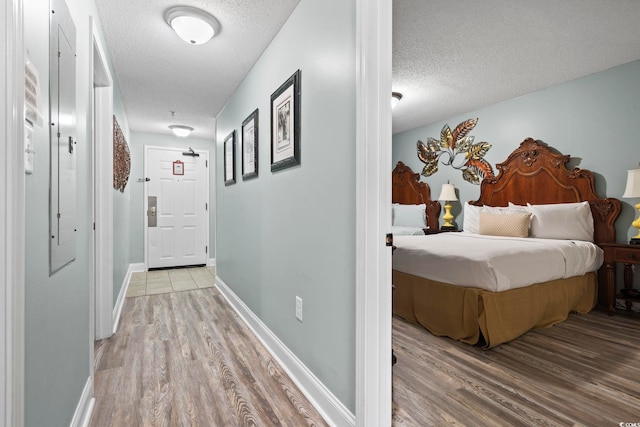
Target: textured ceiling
[449,57]
[159,73]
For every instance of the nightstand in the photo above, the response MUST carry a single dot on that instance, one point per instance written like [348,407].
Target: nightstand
[628,255]
[430,231]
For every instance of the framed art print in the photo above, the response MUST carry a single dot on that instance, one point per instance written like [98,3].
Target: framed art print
[230,159]
[250,146]
[285,124]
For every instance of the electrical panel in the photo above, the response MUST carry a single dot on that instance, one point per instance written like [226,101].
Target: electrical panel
[62,84]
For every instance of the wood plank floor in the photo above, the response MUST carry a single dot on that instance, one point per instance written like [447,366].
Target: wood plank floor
[186,359]
[582,372]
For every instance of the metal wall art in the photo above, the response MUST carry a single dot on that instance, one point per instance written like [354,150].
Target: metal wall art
[121,158]
[452,144]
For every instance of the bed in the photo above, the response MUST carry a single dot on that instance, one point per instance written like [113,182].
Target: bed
[534,174]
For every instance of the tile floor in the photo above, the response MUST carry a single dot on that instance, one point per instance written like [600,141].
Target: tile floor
[170,280]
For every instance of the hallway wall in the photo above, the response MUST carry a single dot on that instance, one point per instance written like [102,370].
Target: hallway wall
[292,232]
[58,336]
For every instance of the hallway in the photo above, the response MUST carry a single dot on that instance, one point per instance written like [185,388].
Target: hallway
[186,359]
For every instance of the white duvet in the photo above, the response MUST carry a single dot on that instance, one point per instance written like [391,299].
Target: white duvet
[492,262]
[399,230]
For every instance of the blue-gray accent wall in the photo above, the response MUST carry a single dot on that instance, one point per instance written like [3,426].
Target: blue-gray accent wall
[121,208]
[292,233]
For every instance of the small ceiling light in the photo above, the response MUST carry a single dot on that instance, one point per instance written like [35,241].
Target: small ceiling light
[192,25]
[181,131]
[395,98]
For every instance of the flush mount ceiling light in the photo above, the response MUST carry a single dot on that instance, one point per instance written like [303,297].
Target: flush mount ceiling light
[192,25]
[181,131]
[395,98]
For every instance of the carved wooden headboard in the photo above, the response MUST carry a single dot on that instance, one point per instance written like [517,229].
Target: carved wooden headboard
[537,174]
[408,190]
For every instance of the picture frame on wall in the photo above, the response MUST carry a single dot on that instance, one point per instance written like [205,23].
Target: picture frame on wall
[230,159]
[285,124]
[250,146]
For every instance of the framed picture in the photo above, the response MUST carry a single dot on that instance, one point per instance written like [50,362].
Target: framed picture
[230,159]
[250,146]
[285,124]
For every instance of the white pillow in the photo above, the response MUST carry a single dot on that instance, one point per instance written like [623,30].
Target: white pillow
[410,215]
[568,221]
[518,208]
[470,221]
[399,230]
[471,215]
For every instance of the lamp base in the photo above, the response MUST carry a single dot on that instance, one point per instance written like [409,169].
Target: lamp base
[634,241]
[453,228]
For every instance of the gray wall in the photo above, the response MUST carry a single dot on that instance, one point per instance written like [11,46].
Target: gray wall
[58,339]
[594,119]
[292,233]
[122,232]
[121,207]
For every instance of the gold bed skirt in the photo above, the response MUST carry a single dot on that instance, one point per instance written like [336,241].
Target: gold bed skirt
[462,313]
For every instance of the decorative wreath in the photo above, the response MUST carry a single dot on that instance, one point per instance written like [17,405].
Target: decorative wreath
[474,167]
[121,158]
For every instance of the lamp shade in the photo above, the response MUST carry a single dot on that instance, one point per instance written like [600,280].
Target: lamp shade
[448,193]
[633,184]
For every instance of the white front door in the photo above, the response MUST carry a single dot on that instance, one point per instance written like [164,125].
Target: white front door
[176,207]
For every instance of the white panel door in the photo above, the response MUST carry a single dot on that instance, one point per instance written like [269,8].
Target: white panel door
[180,186]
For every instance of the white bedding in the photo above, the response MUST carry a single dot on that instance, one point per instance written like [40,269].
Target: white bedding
[491,262]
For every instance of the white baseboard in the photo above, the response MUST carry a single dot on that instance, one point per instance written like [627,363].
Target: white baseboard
[117,308]
[331,409]
[82,416]
[212,262]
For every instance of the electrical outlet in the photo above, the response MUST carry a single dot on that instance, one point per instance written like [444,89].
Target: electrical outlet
[299,308]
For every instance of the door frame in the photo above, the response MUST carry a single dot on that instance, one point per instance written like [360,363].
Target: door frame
[373,216]
[101,132]
[146,195]
[12,215]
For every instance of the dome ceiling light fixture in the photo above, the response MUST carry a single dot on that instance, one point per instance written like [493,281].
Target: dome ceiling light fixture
[395,98]
[191,24]
[181,131]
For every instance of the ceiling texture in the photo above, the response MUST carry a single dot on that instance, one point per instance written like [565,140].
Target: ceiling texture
[452,57]
[449,57]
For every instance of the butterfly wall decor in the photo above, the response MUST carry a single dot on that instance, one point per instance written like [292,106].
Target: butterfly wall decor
[450,146]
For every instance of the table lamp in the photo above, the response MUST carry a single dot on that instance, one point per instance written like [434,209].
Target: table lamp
[633,192]
[447,195]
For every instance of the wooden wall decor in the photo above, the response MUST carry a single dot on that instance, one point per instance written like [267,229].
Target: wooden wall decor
[452,143]
[121,158]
